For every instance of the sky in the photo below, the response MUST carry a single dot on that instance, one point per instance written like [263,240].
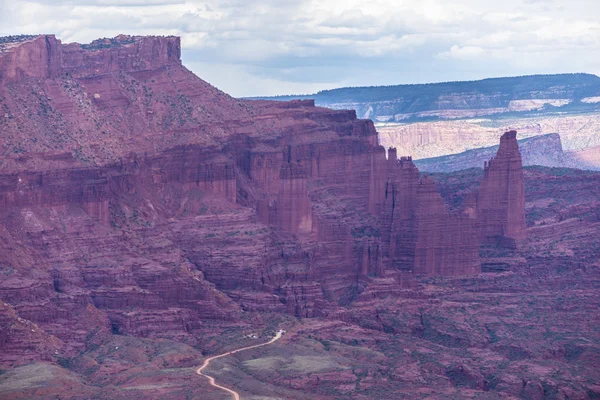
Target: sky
[276,47]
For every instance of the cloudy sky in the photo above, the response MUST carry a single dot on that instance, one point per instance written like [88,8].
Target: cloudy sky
[269,47]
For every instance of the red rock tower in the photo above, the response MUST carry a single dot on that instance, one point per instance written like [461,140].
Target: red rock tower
[501,196]
[418,232]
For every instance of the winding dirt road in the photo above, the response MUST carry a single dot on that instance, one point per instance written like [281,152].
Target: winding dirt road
[235,394]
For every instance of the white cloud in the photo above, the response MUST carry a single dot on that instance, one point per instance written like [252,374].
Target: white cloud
[463,53]
[229,77]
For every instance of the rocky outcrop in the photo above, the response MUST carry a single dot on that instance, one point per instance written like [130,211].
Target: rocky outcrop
[501,196]
[32,57]
[398,217]
[420,234]
[100,102]
[123,53]
[45,57]
[22,341]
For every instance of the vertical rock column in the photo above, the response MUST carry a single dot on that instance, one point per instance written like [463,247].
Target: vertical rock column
[398,212]
[501,196]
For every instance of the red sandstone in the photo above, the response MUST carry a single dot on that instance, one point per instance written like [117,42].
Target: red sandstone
[137,198]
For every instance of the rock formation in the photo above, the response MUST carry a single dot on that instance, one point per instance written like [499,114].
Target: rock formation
[446,245]
[460,140]
[123,53]
[30,57]
[501,197]
[544,150]
[137,199]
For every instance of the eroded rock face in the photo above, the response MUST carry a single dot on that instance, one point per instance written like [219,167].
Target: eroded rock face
[137,199]
[446,245]
[37,57]
[501,197]
[123,53]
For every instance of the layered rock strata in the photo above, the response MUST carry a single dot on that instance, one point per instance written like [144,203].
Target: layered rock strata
[137,199]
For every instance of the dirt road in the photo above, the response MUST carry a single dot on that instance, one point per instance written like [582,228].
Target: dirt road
[235,394]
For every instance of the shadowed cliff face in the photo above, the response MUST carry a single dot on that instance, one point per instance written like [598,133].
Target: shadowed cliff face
[137,199]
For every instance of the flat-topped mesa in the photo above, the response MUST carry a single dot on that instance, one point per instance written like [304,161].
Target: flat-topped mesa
[43,56]
[501,196]
[29,56]
[9,42]
[122,53]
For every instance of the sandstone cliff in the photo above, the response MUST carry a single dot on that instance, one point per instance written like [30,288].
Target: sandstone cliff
[137,199]
[30,57]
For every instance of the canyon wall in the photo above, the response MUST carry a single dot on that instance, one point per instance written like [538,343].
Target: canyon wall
[446,245]
[138,198]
